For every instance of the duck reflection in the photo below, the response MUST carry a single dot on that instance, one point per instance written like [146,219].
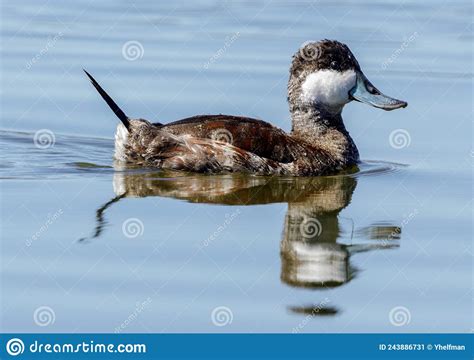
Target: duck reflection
[315,250]
[311,254]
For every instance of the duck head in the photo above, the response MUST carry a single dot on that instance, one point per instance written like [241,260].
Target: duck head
[326,75]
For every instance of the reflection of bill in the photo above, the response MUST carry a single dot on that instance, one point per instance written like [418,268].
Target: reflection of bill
[321,265]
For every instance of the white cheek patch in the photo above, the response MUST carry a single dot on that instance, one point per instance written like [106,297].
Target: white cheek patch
[328,87]
[121,138]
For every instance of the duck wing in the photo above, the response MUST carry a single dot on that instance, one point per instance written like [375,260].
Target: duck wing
[252,135]
[155,146]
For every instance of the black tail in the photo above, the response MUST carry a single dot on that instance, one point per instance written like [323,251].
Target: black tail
[120,114]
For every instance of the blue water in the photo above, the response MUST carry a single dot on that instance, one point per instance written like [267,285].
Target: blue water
[99,248]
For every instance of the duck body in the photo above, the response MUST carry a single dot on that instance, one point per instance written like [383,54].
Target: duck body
[318,144]
[225,143]
[194,148]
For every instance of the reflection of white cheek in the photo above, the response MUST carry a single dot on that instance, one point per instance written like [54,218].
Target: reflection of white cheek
[328,87]
[119,183]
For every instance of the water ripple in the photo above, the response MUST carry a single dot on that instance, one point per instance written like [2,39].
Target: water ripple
[77,155]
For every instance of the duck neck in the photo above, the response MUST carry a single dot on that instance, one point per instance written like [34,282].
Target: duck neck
[324,129]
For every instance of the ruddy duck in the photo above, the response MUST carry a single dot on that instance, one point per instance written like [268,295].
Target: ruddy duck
[324,76]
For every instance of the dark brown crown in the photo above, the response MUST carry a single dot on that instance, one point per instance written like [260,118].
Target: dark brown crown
[323,55]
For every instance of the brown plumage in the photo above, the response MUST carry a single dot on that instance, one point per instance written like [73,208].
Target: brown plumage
[173,147]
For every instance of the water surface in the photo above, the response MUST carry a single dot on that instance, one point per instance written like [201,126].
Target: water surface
[107,248]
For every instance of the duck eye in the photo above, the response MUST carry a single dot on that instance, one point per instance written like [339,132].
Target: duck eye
[371,88]
[333,65]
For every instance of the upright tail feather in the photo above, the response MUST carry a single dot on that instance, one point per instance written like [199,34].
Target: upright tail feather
[120,114]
